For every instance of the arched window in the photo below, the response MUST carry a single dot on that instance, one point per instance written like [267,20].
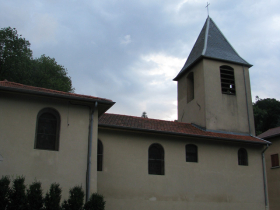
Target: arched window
[227,80]
[47,130]
[190,87]
[99,155]
[156,159]
[242,157]
[191,153]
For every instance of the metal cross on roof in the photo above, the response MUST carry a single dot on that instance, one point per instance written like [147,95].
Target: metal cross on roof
[207,8]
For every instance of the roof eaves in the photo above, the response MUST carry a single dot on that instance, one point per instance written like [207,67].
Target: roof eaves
[180,134]
[56,95]
[271,136]
[228,61]
[183,71]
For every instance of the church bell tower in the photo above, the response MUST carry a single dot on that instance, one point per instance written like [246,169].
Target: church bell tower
[214,86]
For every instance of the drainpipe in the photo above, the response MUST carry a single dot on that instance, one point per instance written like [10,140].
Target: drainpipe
[89,151]
[264,178]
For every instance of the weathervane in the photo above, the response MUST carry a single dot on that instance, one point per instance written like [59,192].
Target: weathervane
[207,8]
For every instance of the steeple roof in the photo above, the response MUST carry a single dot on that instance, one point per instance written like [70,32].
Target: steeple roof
[211,44]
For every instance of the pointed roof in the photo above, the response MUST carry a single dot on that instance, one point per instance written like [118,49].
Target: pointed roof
[212,44]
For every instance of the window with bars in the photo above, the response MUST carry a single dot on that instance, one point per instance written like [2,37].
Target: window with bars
[191,153]
[99,156]
[242,157]
[47,130]
[227,80]
[156,160]
[274,160]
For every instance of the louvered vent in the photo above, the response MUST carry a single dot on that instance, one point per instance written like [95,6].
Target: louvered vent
[227,80]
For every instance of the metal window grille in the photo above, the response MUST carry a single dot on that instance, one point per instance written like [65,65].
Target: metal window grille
[47,131]
[156,160]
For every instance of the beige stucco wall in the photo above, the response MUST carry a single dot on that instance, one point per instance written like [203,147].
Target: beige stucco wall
[212,109]
[215,182]
[67,166]
[273,175]
[194,111]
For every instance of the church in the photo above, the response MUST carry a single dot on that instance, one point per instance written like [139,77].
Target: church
[209,158]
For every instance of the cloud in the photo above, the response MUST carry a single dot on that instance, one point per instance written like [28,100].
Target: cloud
[126,40]
[129,51]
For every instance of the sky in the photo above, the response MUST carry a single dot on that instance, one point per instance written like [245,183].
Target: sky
[129,51]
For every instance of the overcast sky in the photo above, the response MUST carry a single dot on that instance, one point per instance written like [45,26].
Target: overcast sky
[129,51]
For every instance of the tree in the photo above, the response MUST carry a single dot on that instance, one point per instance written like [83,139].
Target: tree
[144,115]
[35,196]
[18,199]
[76,199]
[18,65]
[95,202]
[266,114]
[4,192]
[53,197]
[47,73]
[15,55]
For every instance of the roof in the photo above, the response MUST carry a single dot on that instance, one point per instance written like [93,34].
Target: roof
[212,44]
[273,132]
[169,127]
[20,88]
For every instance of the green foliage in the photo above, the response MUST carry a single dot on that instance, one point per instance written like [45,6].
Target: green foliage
[76,199]
[53,197]
[15,55]
[4,191]
[47,73]
[96,202]
[35,196]
[17,196]
[266,114]
[17,64]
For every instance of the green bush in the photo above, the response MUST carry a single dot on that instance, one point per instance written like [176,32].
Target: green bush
[76,199]
[53,197]
[35,196]
[16,198]
[4,191]
[17,195]
[96,202]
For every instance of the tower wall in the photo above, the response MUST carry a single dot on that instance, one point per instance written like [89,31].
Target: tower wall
[194,110]
[211,108]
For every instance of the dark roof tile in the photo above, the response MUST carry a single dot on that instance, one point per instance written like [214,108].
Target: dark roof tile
[270,133]
[211,43]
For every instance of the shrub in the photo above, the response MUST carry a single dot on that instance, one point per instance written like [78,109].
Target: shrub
[4,191]
[95,202]
[76,199]
[17,195]
[53,197]
[35,196]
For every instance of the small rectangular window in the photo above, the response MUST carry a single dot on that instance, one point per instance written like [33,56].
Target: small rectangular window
[274,160]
